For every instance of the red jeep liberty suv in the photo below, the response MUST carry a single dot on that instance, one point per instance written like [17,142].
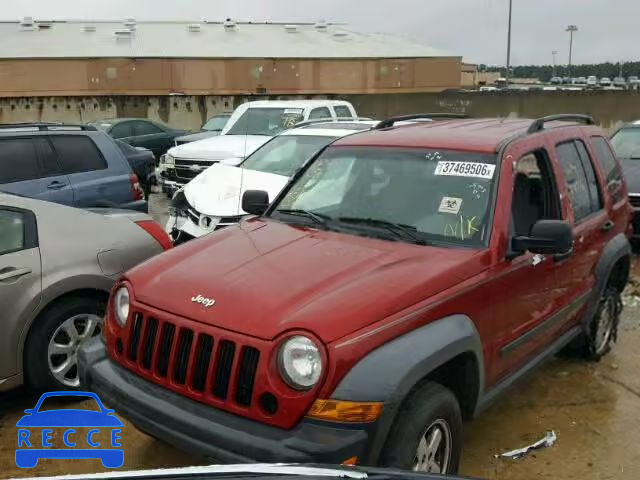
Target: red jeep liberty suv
[403,279]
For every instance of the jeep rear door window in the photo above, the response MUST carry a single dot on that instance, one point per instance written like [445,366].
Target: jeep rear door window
[594,188]
[576,178]
[439,196]
[285,154]
[266,121]
[78,154]
[18,160]
[610,167]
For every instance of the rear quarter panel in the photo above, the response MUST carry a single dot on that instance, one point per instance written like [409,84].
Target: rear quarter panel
[111,185]
[70,242]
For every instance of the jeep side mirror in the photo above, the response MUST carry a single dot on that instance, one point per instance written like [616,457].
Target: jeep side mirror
[551,237]
[255,202]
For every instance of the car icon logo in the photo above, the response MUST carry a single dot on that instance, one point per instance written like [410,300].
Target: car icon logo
[194,168]
[36,439]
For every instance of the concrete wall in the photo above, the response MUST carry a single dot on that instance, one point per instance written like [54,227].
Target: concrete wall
[610,108]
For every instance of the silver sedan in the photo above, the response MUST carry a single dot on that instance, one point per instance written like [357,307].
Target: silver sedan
[57,266]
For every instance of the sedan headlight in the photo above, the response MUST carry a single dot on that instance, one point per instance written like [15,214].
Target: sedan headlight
[300,363]
[121,305]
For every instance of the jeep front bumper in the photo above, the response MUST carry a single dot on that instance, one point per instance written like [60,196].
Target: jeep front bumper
[210,432]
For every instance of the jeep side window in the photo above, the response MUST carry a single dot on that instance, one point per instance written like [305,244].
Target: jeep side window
[610,167]
[577,180]
[594,187]
[535,196]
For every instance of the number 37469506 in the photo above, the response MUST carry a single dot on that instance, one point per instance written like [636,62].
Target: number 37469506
[465,169]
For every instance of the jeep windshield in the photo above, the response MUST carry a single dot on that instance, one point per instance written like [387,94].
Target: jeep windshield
[285,154]
[413,195]
[266,121]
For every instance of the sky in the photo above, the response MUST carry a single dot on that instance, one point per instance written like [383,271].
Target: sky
[475,29]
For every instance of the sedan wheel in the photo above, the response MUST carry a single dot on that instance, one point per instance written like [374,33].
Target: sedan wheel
[64,343]
[434,449]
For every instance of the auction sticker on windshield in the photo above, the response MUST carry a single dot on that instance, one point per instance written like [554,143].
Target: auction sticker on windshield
[465,169]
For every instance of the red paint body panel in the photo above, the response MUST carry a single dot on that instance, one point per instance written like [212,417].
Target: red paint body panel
[353,294]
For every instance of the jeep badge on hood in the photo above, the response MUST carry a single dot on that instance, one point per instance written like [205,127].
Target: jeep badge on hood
[205,302]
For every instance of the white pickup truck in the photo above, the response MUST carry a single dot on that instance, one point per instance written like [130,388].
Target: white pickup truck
[251,125]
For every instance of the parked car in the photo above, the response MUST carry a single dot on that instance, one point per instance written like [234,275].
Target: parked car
[626,143]
[605,82]
[619,82]
[592,81]
[566,80]
[555,81]
[400,282]
[211,128]
[143,164]
[634,82]
[141,132]
[212,200]
[251,125]
[70,164]
[581,81]
[262,472]
[57,265]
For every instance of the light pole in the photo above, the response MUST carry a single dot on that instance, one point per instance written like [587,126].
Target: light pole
[506,77]
[554,53]
[571,29]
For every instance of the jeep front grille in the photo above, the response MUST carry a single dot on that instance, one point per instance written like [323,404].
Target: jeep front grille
[191,360]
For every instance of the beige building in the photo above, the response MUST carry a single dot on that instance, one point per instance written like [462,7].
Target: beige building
[72,58]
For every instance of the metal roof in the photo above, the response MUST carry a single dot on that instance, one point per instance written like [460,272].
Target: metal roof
[154,39]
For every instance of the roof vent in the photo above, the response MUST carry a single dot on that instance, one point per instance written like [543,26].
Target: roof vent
[194,27]
[291,28]
[123,33]
[89,28]
[321,26]
[229,25]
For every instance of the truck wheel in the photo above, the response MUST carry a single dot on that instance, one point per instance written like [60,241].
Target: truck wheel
[50,358]
[427,434]
[603,328]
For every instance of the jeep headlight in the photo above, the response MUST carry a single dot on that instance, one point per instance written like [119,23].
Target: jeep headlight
[300,362]
[121,305]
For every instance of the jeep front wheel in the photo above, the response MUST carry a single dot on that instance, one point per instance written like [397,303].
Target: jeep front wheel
[427,434]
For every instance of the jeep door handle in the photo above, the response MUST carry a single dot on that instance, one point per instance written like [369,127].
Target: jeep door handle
[56,185]
[10,273]
[607,226]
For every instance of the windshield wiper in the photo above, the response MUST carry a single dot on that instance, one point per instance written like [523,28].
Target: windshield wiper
[319,218]
[400,230]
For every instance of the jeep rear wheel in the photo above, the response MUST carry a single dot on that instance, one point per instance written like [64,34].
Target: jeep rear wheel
[427,434]
[604,326]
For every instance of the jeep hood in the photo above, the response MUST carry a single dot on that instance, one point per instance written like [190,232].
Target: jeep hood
[631,169]
[267,278]
[218,190]
[220,147]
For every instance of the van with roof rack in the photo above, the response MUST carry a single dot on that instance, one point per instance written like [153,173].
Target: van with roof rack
[363,323]
[74,165]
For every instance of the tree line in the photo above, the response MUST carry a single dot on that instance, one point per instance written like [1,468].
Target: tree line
[545,72]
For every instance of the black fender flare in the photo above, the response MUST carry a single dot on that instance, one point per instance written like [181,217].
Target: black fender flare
[617,248]
[389,373]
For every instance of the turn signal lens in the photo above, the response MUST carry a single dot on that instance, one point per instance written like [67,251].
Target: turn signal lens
[350,461]
[347,412]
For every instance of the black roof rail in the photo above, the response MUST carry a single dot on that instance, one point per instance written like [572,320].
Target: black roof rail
[47,126]
[538,125]
[389,122]
[330,120]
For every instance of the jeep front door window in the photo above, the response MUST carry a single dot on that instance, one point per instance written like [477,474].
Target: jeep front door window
[442,196]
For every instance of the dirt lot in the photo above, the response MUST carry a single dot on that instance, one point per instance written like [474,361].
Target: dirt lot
[592,407]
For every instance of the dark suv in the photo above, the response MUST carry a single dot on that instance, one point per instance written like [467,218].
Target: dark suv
[74,165]
[403,279]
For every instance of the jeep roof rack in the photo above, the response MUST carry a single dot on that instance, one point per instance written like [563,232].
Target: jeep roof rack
[538,125]
[390,122]
[330,120]
[47,126]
